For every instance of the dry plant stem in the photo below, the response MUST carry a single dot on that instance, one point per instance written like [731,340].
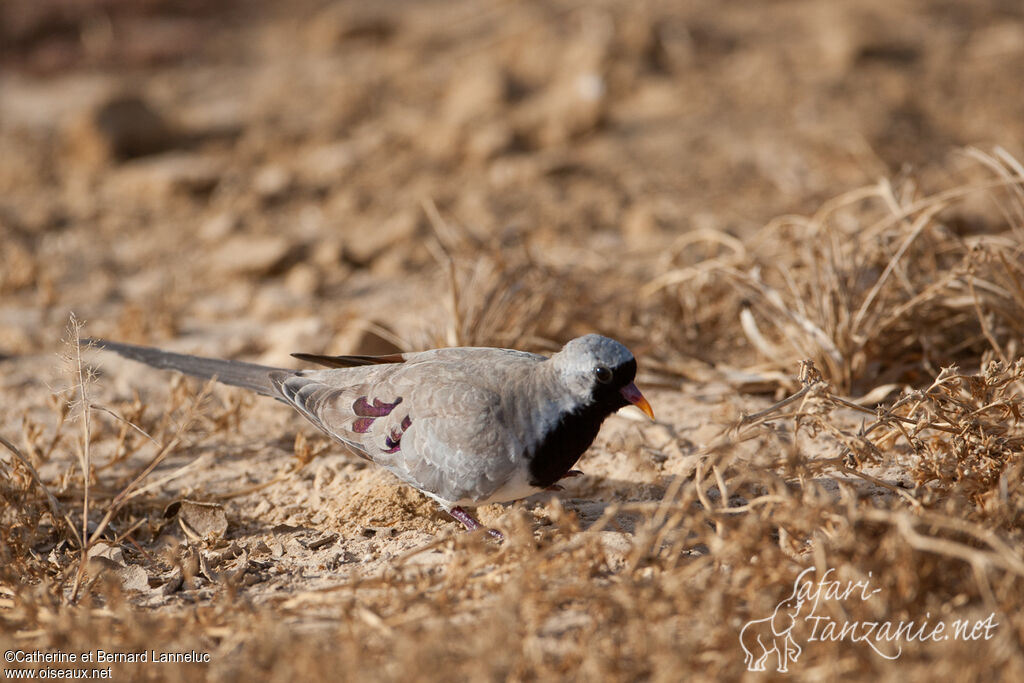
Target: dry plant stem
[750,505]
[987,536]
[198,463]
[74,329]
[443,256]
[128,423]
[130,491]
[720,482]
[129,531]
[981,321]
[245,491]
[654,507]
[878,482]
[944,197]
[121,453]
[74,530]
[671,496]
[61,408]
[919,225]
[55,508]
[384,333]
[760,415]
[453,286]
[1015,282]
[1005,166]
[979,560]
[441,540]
[888,417]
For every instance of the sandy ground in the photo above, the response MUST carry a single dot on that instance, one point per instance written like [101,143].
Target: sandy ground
[250,180]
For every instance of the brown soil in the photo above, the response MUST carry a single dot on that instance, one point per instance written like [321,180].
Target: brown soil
[247,180]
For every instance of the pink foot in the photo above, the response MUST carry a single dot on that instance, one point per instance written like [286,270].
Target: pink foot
[470,523]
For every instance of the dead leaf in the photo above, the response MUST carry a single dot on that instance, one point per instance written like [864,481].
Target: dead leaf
[107,551]
[133,578]
[198,520]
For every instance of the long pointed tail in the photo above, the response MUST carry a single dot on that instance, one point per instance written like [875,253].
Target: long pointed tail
[236,373]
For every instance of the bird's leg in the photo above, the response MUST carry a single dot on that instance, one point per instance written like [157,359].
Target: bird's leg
[467,519]
[470,523]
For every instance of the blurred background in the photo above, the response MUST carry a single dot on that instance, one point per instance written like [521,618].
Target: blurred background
[256,177]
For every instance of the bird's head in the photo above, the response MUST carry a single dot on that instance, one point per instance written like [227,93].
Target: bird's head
[600,370]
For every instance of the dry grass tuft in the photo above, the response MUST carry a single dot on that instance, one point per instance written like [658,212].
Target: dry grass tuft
[877,287]
[920,495]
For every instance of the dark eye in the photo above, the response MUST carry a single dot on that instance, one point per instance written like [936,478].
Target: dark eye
[603,374]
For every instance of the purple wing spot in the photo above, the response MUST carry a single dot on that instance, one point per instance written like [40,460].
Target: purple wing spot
[362,425]
[368,412]
[362,407]
[393,441]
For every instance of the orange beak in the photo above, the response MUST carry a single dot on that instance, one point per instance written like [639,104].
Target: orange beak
[633,395]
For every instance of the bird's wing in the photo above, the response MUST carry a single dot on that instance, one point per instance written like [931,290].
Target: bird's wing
[435,421]
[349,361]
[453,354]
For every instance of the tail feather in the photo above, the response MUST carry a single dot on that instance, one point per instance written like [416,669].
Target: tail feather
[236,373]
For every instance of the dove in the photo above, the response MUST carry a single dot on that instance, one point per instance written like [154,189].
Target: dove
[467,426]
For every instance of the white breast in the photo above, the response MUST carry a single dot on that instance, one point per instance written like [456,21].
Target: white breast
[516,488]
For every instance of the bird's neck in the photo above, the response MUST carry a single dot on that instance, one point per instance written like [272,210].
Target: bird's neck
[563,430]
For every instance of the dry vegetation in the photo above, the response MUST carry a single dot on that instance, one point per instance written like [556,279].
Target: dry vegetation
[841,387]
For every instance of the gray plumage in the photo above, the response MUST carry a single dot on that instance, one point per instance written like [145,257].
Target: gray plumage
[466,426]
[234,372]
